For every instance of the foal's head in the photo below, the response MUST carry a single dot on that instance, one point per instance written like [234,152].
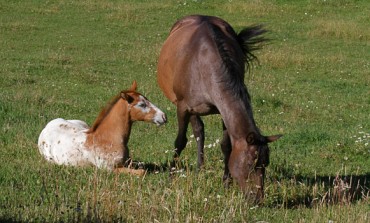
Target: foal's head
[248,163]
[140,108]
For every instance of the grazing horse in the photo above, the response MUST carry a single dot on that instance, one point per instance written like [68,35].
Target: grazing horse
[201,70]
[72,142]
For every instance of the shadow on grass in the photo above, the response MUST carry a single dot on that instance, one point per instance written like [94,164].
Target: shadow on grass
[86,219]
[8,220]
[161,167]
[323,190]
[149,167]
[317,190]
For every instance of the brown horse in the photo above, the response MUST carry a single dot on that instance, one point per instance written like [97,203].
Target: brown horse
[201,70]
[74,143]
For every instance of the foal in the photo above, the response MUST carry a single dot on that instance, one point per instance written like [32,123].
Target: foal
[72,142]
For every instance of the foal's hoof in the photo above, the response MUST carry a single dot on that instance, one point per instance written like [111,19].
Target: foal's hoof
[137,172]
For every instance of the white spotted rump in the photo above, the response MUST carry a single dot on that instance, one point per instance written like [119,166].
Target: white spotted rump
[62,141]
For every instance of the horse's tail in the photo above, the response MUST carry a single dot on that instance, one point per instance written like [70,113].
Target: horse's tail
[251,39]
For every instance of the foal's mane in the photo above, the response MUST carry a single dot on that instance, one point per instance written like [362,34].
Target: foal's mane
[105,111]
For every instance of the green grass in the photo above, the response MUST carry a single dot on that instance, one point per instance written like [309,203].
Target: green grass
[67,58]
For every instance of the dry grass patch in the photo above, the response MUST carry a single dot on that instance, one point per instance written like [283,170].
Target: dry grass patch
[284,56]
[254,8]
[339,29]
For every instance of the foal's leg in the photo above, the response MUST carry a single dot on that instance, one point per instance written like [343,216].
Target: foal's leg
[226,150]
[198,130]
[181,140]
[126,156]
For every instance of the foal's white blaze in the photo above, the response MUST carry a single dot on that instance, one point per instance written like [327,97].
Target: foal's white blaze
[147,107]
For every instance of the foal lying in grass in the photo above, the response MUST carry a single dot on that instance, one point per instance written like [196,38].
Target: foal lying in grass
[72,142]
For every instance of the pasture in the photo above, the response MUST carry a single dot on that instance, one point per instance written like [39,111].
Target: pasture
[68,58]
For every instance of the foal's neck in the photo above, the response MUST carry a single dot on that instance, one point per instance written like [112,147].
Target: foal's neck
[114,130]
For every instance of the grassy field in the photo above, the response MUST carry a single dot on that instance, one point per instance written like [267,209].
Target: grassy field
[68,58]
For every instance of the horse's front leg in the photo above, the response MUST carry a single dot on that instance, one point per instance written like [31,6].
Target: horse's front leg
[226,150]
[181,140]
[260,175]
[198,130]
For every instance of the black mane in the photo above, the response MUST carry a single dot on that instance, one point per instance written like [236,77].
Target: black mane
[233,75]
[249,40]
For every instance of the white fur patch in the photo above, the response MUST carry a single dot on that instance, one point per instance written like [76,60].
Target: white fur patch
[63,142]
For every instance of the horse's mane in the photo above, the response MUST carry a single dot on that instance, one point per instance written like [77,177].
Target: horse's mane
[104,112]
[233,77]
[249,40]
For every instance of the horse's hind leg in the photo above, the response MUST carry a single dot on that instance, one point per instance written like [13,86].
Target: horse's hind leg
[181,140]
[226,150]
[198,130]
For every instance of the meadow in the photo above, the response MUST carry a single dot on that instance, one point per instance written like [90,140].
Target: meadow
[68,58]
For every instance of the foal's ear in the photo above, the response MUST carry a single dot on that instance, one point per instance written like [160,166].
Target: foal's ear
[272,138]
[133,86]
[127,97]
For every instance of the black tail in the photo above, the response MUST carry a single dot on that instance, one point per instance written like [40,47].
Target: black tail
[251,39]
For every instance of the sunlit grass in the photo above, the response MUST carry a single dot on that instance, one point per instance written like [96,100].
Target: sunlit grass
[339,29]
[67,59]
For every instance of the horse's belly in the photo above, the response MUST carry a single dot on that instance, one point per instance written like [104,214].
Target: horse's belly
[62,142]
[203,109]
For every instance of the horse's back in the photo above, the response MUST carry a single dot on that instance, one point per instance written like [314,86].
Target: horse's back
[62,142]
[189,52]
[197,20]
[172,50]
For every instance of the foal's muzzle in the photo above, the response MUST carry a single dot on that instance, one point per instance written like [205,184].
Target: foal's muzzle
[160,119]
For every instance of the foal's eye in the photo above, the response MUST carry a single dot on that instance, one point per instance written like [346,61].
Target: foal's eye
[142,105]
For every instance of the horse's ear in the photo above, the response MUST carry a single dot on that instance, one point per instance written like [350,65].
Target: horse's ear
[272,138]
[133,86]
[127,97]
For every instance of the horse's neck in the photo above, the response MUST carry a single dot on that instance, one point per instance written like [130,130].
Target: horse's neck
[238,118]
[114,130]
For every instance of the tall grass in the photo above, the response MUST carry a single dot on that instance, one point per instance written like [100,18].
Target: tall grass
[66,59]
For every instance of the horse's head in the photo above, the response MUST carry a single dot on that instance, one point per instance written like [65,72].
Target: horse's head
[247,164]
[141,109]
